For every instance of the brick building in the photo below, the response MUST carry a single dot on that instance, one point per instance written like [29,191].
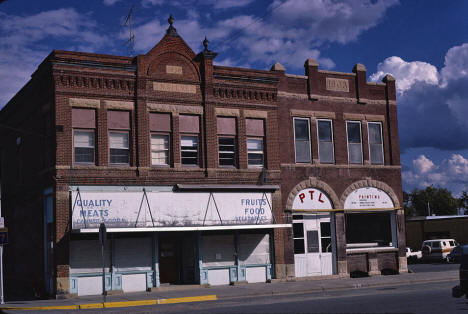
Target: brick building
[202,174]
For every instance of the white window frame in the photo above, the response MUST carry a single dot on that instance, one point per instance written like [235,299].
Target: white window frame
[94,146]
[332,140]
[128,148]
[347,140]
[262,152]
[168,150]
[310,146]
[381,144]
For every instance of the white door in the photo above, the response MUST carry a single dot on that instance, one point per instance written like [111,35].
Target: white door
[313,245]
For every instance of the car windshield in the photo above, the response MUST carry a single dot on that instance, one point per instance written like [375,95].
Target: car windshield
[435,244]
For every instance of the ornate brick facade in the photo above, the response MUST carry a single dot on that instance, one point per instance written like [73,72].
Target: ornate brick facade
[37,144]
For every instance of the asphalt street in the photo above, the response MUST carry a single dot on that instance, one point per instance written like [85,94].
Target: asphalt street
[420,298]
[432,267]
[417,298]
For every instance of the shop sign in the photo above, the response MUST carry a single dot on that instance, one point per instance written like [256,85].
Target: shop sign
[311,199]
[169,209]
[369,197]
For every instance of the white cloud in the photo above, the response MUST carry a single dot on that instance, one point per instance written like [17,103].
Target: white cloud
[406,73]
[110,2]
[451,173]
[338,21]
[26,40]
[290,32]
[433,105]
[147,3]
[227,4]
[456,64]
[423,165]
[296,28]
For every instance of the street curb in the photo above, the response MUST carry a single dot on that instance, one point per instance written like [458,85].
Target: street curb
[87,306]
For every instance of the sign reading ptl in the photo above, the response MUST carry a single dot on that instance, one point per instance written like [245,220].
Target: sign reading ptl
[302,196]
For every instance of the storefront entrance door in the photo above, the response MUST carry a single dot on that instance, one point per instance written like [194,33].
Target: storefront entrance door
[313,245]
[177,257]
[169,260]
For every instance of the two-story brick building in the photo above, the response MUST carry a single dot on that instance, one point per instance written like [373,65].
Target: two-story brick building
[202,174]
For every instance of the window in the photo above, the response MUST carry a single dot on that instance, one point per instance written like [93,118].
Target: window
[160,127]
[255,152]
[325,139]
[369,230]
[312,241]
[375,143]
[83,143]
[227,148]
[189,150]
[119,151]
[353,130]
[84,124]
[298,234]
[189,127]
[325,236]
[118,123]
[302,140]
[159,150]
[255,132]
[227,151]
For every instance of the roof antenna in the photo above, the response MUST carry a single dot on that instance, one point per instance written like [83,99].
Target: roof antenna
[131,40]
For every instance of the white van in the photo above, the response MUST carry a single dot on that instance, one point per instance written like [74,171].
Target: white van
[437,248]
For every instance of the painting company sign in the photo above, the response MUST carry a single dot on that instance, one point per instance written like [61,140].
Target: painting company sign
[169,209]
[366,198]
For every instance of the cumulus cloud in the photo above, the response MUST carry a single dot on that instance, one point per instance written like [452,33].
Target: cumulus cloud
[406,73]
[451,173]
[25,42]
[432,104]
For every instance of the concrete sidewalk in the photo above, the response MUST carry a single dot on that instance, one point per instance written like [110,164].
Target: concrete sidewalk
[179,294]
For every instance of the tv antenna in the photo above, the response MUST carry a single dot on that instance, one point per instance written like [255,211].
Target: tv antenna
[131,39]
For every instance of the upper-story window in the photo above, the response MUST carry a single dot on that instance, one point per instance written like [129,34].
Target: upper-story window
[189,127]
[375,143]
[118,123]
[227,141]
[84,125]
[255,132]
[302,140]
[160,128]
[325,139]
[353,130]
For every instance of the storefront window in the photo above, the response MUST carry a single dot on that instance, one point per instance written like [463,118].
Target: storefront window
[368,230]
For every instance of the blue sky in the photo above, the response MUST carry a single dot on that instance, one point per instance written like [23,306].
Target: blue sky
[423,43]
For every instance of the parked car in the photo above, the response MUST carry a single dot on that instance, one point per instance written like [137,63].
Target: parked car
[413,255]
[455,254]
[437,249]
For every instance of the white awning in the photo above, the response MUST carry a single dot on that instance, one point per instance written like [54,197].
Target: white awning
[165,229]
